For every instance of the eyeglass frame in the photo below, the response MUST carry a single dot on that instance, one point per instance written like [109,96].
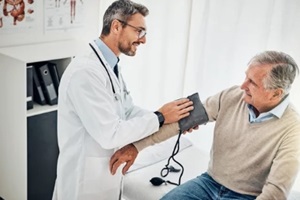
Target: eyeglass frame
[141,31]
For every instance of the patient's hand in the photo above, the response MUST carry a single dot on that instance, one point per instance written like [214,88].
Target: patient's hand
[191,129]
[126,154]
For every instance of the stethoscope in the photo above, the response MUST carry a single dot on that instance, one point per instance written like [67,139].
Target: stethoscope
[112,85]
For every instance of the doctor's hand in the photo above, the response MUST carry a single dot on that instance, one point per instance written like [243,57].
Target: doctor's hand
[126,154]
[176,110]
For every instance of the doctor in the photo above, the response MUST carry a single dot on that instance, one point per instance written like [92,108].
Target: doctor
[96,114]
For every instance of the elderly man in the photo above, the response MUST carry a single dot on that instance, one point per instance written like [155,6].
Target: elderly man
[256,147]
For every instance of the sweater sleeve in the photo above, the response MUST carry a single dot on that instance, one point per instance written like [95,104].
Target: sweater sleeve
[164,133]
[221,100]
[284,169]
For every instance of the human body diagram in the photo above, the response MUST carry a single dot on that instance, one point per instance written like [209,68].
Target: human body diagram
[14,9]
[72,9]
[1,13]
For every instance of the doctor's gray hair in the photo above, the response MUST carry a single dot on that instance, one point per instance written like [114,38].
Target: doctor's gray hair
[122,10]
[283,72]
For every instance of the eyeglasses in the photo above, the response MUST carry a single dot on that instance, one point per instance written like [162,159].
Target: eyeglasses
[141,31]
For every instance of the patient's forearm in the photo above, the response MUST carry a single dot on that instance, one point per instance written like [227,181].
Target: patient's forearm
[164,133]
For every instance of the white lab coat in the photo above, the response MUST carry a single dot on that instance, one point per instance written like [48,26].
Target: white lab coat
[91,126]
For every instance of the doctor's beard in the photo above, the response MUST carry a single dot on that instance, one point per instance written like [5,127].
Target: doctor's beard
[129,49]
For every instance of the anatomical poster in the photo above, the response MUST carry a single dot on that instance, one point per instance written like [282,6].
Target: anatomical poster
[16,15]
[63,15]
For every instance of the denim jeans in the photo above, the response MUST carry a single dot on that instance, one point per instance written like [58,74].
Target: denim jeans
[204,188]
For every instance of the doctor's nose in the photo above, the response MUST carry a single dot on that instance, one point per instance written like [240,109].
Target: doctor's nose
[143,39]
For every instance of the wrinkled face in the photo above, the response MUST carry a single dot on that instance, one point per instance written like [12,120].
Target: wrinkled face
[129,38]
[254,91]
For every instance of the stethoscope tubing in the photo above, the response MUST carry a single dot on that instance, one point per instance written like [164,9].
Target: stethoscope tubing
[112,85]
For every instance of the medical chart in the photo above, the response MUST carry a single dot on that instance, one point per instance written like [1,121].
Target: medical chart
[63,15]
[16,15]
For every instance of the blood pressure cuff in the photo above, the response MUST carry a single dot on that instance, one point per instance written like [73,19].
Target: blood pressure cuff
[197,116]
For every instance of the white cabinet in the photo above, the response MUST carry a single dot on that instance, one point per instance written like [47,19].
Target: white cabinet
[13,111]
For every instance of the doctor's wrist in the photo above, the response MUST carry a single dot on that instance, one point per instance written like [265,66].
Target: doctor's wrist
[160,117]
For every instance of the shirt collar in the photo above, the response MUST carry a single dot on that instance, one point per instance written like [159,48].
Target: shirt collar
[279,109]
[109,56]
[275,112]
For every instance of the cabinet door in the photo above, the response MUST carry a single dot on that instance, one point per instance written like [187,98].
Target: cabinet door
[42,155]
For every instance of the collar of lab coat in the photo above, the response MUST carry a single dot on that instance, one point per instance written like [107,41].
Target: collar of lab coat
[107,53]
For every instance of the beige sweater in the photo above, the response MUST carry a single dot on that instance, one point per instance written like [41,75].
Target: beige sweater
[165,132]
[260,159]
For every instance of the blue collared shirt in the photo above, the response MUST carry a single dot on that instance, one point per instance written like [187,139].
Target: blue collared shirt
[276,112]
[109,56]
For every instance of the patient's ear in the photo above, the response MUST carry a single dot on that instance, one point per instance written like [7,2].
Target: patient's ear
[278,94]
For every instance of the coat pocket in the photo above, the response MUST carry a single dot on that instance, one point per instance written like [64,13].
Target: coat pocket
[98,183]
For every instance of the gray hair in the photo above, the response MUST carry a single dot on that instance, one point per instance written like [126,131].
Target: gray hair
[283,72]
[122,10]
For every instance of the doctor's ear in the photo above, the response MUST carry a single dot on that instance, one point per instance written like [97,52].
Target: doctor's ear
[116,26]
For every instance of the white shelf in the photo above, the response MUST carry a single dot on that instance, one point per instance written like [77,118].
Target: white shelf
[14,114]
[43,52]
[40,109]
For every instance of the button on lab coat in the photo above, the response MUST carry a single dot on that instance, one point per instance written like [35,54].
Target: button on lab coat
[92,124]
